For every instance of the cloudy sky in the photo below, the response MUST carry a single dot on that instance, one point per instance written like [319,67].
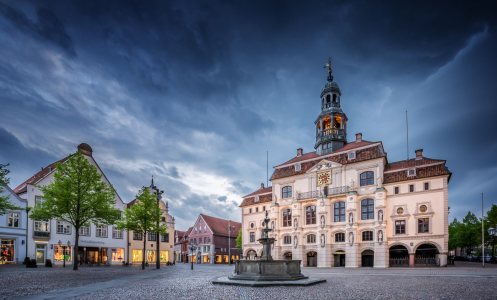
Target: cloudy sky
[195,93]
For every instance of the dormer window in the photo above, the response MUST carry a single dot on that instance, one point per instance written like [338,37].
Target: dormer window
[298,167]
[352,155]
[411,172]
[256,199]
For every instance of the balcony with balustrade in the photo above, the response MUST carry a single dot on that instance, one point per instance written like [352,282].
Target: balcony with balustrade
[328,192]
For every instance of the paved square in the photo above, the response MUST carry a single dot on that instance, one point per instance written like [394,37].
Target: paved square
[464,281]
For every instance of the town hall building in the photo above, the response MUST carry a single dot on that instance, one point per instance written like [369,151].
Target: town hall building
[346,205]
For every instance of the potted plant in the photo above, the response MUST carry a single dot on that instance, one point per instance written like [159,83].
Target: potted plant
[48,263]
[32,264]
[26,261]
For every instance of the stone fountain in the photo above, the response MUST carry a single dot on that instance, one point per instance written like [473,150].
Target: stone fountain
[267,271]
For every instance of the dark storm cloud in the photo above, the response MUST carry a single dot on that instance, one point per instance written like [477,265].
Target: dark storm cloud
[196,93]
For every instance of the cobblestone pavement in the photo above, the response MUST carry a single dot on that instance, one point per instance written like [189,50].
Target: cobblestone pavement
[464,281]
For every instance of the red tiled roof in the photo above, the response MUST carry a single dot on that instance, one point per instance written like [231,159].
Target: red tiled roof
[361,155]
[187,233]
[312,155]
[23,188]
[411,163]
[131,203]
[220,226]
[262,199]
[421,172]
[269,189]
[181,235]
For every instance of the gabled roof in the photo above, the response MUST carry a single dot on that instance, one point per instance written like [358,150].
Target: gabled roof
[183,238]
[312,155]
[131,203]
[220,226]
[260,191]
[181,235]
[404,164]
[38,176]
[262,199]
[372,152]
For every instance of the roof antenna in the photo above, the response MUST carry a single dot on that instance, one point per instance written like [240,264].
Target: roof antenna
[407,127]
[267,168]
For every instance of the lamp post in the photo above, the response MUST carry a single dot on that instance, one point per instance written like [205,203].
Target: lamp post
[193,247]
[157,234]
[27,226]
[69,247]
[493,234]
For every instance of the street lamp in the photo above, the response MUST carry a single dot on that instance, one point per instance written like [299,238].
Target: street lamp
[69,247]
[193,247]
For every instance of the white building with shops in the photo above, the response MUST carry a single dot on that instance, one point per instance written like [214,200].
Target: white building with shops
[13,230]
[54,239]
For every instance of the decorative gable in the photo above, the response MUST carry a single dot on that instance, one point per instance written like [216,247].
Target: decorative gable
[323,165]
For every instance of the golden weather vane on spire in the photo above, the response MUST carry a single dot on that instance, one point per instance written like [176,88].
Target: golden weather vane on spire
[328,64]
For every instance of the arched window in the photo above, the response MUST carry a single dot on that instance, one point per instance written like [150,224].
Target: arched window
[367,178]
[310,215]
[311,239]
[334,97]
[367,209]
[287,217]
[337,122]
[287,192]
[367,235]
[327,98]
[340,212]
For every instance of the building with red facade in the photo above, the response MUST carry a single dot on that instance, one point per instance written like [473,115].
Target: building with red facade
[215,241]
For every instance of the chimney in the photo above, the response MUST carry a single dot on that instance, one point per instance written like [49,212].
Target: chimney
[299,152]
[42,168]
[419,154]
[358,137]
[262,186]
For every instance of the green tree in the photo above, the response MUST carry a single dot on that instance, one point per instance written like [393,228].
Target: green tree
[239,240]
[77,195]
[5,204]
[469,234]
[454,228]
[143,217]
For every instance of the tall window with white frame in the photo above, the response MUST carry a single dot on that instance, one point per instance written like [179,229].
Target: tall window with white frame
[367,178]
[63,227]
[101,231]
[287,239]
[400,227]
[84,231]
[287,217]
[252,237]
[339,237]
[367,209]
[311,239]
[310,215]
[423,225]
[13,220]
[339,211]
[287,192]
[367,235]
[116,233]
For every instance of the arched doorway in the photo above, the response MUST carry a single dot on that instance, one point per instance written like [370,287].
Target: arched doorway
[426,255]
[251,255]
[312,259]
[287,256]
[367,258]
[339,258]
[399,256]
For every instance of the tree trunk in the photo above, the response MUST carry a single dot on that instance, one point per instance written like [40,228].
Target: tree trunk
[75,251]
[144,247]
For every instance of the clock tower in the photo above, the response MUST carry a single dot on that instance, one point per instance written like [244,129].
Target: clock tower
[331,124]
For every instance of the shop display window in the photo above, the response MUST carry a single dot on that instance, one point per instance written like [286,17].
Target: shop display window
[117,254]
[225,258]
[207,258]
[164,256]
[219,259]
[61,251]
[7,251]
[137,255]
[150,255]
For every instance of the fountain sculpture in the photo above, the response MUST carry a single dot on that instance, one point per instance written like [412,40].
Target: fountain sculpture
[267,271]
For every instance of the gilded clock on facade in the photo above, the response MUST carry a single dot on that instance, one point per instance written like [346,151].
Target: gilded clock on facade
[324,178]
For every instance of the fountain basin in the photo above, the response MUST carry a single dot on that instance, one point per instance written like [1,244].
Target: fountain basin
[267,270]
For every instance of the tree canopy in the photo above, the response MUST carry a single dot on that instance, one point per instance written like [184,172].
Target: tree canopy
[5,204]
[239,240]
[77,195]
[144,216]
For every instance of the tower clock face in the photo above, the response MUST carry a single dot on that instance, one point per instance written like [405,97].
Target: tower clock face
[324,178]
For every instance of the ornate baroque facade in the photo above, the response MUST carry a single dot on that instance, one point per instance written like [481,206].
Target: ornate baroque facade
[346,205]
